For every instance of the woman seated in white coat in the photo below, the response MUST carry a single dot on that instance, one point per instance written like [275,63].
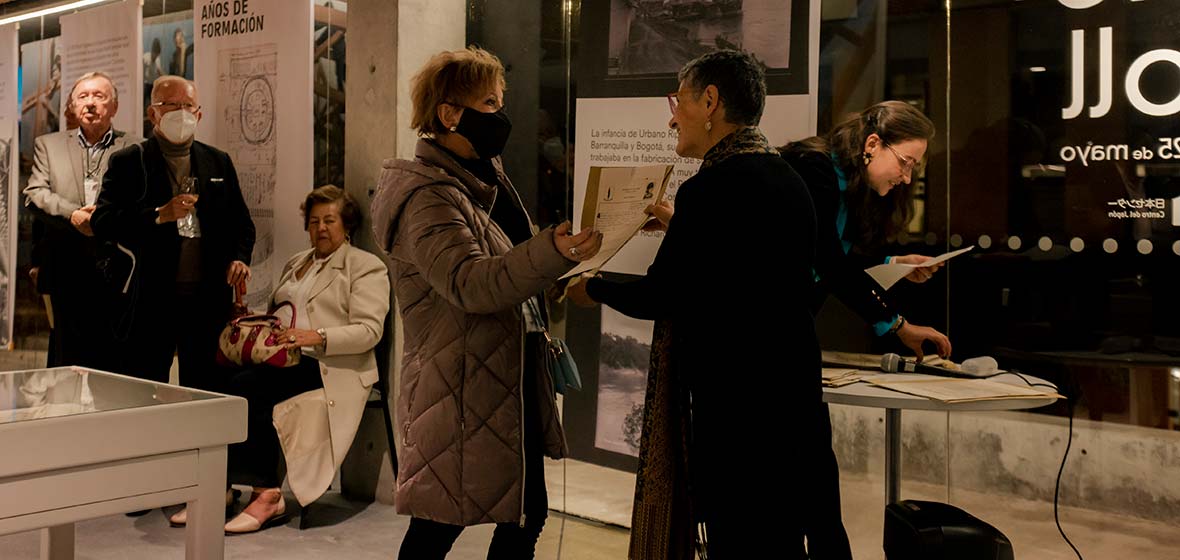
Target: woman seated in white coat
[310,412]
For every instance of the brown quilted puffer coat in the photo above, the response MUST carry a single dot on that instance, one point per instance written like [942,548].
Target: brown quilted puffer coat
[460,284]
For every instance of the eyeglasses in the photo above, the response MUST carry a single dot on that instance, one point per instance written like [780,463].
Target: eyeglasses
[673,101]
[907,163]
[170,106]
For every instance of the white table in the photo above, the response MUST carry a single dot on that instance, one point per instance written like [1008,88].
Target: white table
[80,444]
[864,394]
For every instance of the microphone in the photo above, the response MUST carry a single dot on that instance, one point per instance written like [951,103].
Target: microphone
[893,363]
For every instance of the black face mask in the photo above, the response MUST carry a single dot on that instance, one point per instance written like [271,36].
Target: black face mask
[487,132]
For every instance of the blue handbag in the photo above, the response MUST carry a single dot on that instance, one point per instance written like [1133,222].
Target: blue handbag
[559,362]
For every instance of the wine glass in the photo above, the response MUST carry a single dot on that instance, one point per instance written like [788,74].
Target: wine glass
[187,225]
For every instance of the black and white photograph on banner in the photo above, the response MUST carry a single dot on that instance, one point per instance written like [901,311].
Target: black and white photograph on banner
[6,233]
[104,39]
[623,357]
[167,49]
[659,36]
[644,43]
[41,94]
[9,176]
[329,74]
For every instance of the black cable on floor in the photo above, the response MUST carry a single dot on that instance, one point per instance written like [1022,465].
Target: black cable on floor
[1068,444]
[1057,486]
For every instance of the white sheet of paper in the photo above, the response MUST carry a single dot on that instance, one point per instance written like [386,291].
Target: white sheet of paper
[615,206]
[888,274]
[956,390]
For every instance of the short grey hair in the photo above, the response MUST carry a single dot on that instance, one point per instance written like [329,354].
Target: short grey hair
[740,79]
[92,75]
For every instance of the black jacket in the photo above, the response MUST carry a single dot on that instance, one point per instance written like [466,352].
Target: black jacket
[839,273]
[137,182]
[733,280]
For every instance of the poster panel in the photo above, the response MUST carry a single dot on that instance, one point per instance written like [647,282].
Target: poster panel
[167,49]
[253,67]
[9,179]
[106,39]
[622,119]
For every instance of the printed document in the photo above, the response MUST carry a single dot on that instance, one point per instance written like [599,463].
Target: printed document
[615,200]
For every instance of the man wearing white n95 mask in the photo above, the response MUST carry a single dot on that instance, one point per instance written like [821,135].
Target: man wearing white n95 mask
[176,204]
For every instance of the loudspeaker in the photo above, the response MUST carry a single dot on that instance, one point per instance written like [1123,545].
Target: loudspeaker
[916,530]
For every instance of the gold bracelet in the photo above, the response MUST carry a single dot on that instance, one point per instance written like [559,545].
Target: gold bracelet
[323,339]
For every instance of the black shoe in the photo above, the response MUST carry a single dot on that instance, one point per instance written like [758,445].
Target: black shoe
[139,513]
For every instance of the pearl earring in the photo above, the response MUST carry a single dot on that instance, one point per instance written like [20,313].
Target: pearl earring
[868,157]
[452,129]
[708,126]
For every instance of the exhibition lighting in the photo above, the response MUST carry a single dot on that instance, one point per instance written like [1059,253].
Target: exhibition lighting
[51,10]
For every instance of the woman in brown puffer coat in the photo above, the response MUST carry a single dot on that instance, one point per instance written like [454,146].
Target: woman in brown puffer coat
[475,412]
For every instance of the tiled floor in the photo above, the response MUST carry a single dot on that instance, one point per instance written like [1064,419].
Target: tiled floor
[352,530]
[342,530]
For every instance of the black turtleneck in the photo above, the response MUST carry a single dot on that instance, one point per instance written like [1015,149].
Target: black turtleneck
[179,161]
[506,210]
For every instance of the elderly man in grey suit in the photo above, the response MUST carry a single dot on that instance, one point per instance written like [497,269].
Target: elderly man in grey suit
[67,175]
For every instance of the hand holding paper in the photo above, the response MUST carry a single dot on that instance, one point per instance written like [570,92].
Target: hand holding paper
[888,274]
[616,202]
[578,247]
[661,213]
[923,272]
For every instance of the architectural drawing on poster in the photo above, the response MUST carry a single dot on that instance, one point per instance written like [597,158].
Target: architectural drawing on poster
[247,131]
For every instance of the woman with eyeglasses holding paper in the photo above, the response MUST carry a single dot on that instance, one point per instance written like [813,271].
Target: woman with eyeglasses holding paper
[725,393]
[859,175]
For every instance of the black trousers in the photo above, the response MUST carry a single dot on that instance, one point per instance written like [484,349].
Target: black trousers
[431,540]
[81,329]
[258,461]
[81,306]
[805,487]
[824,526]
[186,322]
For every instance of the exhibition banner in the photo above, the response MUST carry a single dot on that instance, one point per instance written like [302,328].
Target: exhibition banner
[625,76]
[167,50]
[253,71]
[9,179]
[106,39]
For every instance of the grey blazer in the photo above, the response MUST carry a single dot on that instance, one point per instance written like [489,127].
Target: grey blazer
[56,185]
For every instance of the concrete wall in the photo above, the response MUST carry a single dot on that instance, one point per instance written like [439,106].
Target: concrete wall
[388,40]
[1115,468]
